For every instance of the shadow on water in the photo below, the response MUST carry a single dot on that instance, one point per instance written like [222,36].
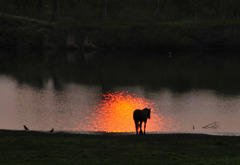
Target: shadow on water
[153,71]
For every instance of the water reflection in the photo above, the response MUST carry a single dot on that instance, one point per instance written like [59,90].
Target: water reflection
[86,108]
[181,73]
[115,112]
[72,92]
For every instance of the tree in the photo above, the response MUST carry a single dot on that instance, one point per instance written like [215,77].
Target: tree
[196,8]
[103,10]
[39,9]
[222,9]
[3,6]
[23,6]
[56,10]
[236,9]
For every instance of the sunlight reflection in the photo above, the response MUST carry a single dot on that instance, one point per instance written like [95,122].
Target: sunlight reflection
[115,112]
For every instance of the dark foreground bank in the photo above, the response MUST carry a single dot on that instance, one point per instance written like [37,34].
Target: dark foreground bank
[18,147]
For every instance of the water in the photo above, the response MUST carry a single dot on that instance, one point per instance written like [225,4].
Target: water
[99,93]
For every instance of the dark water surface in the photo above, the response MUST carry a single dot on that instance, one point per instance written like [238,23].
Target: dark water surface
[86,92]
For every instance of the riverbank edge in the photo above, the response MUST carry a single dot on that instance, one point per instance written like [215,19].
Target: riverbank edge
[103,133]
[25,33]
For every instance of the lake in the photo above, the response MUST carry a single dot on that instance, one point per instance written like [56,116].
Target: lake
[94,92]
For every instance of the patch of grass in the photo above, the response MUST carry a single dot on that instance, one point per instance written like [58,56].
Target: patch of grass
[18,147]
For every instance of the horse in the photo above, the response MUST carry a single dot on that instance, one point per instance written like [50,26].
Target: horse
[140,116]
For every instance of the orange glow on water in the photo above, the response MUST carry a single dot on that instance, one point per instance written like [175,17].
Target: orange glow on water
[115,112]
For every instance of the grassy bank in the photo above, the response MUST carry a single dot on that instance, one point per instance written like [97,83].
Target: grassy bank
[18,147]
[22,32]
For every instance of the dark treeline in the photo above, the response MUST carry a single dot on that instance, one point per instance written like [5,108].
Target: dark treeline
[123,10]
[120,24]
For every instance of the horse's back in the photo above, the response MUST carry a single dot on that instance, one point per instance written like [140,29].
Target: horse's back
[138,115]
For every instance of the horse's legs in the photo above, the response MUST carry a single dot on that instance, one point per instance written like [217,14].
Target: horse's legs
[145,126]
[140,125]
[136,125]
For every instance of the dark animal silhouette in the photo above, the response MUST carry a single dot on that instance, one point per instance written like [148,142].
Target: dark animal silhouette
[25,128]
[52,130]
[140,116]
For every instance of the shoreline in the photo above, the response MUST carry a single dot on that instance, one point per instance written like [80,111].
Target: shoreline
[97,133]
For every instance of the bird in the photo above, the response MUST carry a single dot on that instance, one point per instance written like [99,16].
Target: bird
[25,128]
[170,54]
[51,131]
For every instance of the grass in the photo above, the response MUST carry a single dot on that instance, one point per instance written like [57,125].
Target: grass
[19,147]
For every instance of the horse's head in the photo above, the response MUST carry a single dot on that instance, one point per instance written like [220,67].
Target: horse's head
[148,112]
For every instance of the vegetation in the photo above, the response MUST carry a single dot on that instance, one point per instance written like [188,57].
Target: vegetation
[123,24]
[21,33]
[123,10]
[18,147]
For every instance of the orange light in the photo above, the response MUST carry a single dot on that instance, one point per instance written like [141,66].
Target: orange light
[114,113]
